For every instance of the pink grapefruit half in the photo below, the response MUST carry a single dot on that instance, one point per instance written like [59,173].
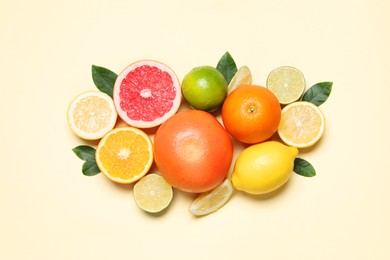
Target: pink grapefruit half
[146,93]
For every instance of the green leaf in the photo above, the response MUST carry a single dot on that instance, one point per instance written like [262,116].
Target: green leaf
[304,168]
[85,152]
[318,93]
[90,168]
[227,66]
[104,79]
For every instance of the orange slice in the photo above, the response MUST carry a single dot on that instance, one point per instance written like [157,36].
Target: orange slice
[91,115]
[302,124]
[124,154]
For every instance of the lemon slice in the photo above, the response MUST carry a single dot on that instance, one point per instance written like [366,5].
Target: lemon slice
[302,124]
[153,193]
[242,77]
[287,83]
[213,200]
[91,115]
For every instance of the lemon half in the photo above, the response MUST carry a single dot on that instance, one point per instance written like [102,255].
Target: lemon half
[91,115]
[302,124]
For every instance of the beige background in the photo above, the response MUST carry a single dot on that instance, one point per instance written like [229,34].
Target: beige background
[49,210]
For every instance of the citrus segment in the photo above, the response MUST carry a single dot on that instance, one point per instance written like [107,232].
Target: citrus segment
[251,114]
[91,115]
[152,193]
[146,93]
[124,154]
[213,200]
[287,83]
[242,77]
[302,124]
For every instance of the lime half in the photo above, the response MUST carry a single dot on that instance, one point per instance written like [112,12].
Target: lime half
[287,83]
[153,193]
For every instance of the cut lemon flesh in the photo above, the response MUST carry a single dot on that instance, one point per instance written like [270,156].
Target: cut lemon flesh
[302,124]
[287,83]
[242,77]
[213,200]
[91,115]
[124,154]
[153,193]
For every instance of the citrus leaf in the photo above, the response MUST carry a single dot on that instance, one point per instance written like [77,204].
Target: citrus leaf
[90,168]
[227,66]
[318,93]
[104,79]
[85,152]
[304,168]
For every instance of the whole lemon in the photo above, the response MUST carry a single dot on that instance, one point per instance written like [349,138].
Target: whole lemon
[204,88]
[263,167]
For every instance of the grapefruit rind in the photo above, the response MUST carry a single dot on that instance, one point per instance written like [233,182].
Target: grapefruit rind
[91,114]
[147,166]
[158,121]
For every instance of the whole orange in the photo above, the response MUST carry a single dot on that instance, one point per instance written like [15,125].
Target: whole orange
[251,114]
[193,151]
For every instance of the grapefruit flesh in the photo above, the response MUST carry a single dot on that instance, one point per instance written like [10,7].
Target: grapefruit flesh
[146,94]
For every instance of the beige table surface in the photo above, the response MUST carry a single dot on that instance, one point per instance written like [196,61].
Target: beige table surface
[49,210]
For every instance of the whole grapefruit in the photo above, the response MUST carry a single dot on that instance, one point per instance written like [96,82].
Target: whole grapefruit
[251,114]
[193,151]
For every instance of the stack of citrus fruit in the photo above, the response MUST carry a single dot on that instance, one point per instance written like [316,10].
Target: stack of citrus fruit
[192,150]
[145,94]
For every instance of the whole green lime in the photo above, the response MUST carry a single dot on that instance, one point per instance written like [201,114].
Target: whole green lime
[204,88]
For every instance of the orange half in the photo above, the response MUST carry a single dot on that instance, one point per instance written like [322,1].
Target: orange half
[125,154]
